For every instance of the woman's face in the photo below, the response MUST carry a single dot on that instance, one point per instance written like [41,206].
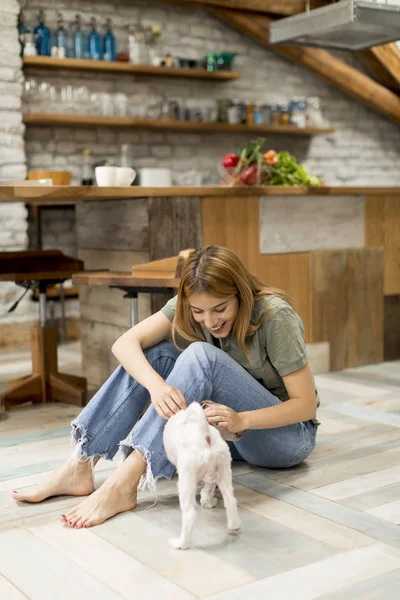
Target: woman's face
[216,314]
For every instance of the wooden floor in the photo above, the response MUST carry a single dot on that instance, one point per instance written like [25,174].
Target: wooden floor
[327,529]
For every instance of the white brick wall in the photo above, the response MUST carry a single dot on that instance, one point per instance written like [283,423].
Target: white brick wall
[365,149]
[13,224]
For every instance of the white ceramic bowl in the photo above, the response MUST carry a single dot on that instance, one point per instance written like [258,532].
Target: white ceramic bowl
[106,176]
[125,176]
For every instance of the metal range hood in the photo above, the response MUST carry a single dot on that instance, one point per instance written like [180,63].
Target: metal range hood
[346,25]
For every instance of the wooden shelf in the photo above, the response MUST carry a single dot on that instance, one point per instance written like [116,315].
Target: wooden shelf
[125,68]
[167,125]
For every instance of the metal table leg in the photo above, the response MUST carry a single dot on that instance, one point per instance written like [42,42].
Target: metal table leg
[134,310]
[42,304]
[133,297]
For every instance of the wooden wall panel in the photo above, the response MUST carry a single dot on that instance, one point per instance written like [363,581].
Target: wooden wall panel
[113,225]
[382,229]
[347,289]
[175,224]
[234,223]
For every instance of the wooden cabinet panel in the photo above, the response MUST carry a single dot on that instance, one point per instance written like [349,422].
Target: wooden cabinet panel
[234,223]
[382,229]
[347,290]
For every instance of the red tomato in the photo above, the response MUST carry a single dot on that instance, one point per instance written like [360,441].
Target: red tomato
[230,160]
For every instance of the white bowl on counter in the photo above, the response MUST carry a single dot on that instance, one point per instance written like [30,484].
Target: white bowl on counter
[155,177]
[114,176]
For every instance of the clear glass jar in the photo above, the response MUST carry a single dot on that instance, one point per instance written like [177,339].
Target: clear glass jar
[298,108]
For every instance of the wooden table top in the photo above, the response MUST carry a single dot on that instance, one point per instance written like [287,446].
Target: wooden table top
[122,279]
[53,195]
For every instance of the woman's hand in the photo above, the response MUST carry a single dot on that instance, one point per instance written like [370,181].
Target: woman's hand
[223,416]
[166,399]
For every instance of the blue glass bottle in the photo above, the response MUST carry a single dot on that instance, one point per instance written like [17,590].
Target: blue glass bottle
[61,38]
[108,42]
[42,36]
[94,42]
[78,39]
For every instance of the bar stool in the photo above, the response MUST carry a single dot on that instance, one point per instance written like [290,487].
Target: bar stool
[41,269]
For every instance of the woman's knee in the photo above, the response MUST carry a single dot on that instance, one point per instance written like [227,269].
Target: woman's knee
[164,349]
[199,353]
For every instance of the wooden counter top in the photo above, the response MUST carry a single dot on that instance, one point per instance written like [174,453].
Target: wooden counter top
[53,195]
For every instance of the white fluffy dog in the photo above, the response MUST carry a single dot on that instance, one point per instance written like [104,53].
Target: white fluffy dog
[200,454]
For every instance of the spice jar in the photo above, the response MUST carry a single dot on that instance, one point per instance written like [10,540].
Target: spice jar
[274,114]
[284,115]
[250,113]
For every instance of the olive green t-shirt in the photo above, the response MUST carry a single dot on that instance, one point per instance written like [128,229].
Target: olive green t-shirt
[277,348]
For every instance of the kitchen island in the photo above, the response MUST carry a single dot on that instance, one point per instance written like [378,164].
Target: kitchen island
[335,250]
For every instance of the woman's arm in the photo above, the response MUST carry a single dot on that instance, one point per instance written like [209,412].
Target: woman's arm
[301,406]
[128,349]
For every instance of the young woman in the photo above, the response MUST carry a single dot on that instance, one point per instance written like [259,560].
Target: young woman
[246,353]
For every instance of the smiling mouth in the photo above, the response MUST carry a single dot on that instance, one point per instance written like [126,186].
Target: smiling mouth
[217,329]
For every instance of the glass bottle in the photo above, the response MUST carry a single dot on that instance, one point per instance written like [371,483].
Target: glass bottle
[87,168]
[108,42]
[61,38]
[22,29]
[94,42]
[42,36]
[78,39]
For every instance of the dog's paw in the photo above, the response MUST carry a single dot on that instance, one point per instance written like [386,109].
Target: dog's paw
[209,501]
[234,525]
[178,544]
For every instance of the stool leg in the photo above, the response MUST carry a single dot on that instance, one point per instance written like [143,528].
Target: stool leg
[63,390]
[29,389]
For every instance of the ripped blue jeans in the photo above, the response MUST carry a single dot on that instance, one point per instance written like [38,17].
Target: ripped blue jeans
[202,372]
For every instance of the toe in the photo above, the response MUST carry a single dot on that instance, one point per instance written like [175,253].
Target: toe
[74,520]
[80,523]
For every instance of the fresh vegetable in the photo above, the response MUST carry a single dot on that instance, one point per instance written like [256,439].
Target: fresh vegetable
[230,161]
[270,158]
[249,175]
[254,166]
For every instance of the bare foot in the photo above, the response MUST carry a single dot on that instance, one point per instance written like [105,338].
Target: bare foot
[72,479]
[117,494]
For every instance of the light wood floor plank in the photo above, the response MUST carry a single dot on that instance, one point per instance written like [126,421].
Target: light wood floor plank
[321,476]
[23,558]
[389,511]
[357,485]
[373,498]
[148,541]
[122,573]
[325,530]
[9,592]
[309,582]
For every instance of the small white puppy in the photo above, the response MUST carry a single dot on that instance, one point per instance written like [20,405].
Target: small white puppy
[200,454]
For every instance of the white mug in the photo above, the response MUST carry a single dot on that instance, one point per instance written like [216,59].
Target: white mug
[106,176]
[125,176]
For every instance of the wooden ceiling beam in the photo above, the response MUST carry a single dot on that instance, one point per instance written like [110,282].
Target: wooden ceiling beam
[383,64]
[275,7]
[348,79]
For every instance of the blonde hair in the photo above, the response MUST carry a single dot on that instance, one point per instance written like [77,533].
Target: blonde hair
[217,271]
